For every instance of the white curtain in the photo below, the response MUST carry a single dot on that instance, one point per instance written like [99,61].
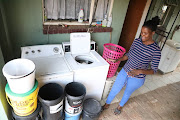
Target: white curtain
[69,9]
[52,8]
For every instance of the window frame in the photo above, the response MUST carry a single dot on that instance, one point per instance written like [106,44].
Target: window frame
[66,22]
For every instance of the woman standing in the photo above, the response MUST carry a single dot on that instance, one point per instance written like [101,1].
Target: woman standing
[143,51]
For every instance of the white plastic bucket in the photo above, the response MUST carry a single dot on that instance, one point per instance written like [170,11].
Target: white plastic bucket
[20,74]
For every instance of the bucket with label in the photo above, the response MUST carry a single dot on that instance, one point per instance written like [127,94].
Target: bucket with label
[91,109]
[34,116]
[51,97]
[72,116]
[20,75]
[23,104]
[74,96]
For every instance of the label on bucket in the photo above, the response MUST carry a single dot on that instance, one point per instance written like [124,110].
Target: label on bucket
[72,110]
[56,108]
[75,103]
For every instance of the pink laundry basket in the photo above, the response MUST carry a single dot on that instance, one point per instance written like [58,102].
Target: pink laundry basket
[113,51]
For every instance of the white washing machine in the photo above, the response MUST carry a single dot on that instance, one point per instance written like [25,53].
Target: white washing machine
[88,66]
[51,66]
[170,56]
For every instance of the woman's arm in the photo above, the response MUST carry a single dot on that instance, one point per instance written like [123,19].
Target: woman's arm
[140,71]
[125,57]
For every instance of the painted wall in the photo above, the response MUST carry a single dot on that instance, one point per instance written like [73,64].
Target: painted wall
[24,21]
[4,36]
[4,107]
[176,35]
[5,112]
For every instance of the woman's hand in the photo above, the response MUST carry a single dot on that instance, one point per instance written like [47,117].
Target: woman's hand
[134,72]
[116,60]
[112,60]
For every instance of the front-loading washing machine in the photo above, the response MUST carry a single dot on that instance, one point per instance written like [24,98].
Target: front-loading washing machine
[51,66]
[88,66]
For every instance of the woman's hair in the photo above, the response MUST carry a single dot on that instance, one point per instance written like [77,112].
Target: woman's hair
[152,24]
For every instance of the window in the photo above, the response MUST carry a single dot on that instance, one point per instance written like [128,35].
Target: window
[59,12]
[163,12]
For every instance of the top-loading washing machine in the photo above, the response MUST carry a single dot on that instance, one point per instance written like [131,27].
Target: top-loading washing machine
[88,66]
[51,66]
[170,56]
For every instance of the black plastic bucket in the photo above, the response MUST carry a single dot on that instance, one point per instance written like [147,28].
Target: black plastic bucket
[91,109]
[51,98]
[34,116]
[74,96]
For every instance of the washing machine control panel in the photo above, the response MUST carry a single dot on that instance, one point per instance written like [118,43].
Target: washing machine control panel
[92,46]
[67,48]
[41,51]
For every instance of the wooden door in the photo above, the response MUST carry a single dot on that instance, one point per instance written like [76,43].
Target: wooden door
[131,23]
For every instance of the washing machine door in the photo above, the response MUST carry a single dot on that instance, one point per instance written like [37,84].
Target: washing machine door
[50,66]
[80,43]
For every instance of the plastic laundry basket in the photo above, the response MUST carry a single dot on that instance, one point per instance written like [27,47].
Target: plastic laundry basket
[112,51]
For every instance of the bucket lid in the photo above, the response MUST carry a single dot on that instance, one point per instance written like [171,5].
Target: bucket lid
[92,106]
[8,90]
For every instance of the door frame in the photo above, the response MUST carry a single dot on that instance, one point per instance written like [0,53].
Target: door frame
[145,12]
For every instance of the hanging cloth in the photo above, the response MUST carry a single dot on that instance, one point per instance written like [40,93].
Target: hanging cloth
[62,9]
[52,8]
[69,9]
[106,7]
[86,9]
[101,10]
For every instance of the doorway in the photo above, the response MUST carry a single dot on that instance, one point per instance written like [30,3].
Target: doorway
[132,21]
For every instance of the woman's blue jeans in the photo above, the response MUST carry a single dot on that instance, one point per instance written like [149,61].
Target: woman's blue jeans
[123,79]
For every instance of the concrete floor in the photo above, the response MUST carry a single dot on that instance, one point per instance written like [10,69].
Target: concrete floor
[154,104]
